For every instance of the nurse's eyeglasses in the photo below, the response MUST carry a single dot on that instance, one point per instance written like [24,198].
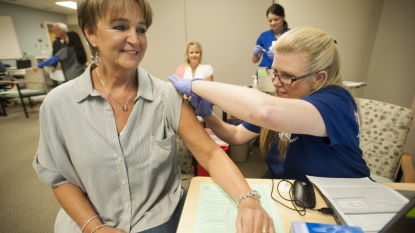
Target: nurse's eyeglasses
[283,78]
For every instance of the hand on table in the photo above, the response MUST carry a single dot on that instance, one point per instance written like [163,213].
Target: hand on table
[258,50]
[253,218]
[108,229]
[35,68]
[184,85]
[202,107]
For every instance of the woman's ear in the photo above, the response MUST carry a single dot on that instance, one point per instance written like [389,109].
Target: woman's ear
[90,37]
[320,78]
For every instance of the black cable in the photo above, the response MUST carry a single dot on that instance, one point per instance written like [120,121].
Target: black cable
[302,211]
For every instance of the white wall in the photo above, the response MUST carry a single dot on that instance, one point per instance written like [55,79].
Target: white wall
[28,25]
[352,23]
[227,31]
[165,38]
[392,68]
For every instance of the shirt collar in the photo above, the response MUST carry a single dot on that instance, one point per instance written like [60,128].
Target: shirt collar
[84,87]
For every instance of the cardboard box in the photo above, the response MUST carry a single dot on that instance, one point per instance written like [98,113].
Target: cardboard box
[309,227]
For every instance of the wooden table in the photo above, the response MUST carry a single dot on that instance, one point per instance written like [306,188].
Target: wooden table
[188,218]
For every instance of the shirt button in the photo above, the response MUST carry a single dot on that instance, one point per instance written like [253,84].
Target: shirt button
[123,182]
[121,133]
[126,228]
[120,159]
[126,205]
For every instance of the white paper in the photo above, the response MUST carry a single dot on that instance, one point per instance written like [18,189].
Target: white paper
[216,211]
[360,201]
[354,84]
[56,75]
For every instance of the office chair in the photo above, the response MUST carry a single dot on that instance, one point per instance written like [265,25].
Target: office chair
[34,86]
[383,131]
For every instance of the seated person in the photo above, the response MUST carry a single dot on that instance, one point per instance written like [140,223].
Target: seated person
[3,74]
[193,67]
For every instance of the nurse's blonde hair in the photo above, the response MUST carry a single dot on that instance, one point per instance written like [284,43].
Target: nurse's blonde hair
[319,53]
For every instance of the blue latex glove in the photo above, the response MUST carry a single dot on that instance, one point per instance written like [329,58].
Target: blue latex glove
[258,50]
[270,55]
[202,107]
[184,85]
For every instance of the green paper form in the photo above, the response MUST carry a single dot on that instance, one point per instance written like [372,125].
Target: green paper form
[216,211]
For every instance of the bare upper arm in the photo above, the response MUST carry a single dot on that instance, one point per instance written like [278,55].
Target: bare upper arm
[192,134]
[294,116]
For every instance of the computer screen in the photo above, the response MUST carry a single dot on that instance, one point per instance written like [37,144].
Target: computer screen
[27,61]
[403,221]
[23,64]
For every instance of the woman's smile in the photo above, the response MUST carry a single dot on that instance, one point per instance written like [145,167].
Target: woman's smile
[130,52]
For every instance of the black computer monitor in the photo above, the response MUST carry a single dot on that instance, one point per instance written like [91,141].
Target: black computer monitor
[403,221]
[23,64]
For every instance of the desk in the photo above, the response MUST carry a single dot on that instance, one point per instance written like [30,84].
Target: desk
[188,218]
[17,72]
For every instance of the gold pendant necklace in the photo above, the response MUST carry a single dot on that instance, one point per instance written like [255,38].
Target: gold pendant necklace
[124,107]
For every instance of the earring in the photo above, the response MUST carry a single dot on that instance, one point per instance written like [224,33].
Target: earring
[97,60]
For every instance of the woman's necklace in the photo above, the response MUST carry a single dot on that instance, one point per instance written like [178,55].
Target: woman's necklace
[124,107]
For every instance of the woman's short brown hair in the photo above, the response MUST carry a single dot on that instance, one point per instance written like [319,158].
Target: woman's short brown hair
[91,11]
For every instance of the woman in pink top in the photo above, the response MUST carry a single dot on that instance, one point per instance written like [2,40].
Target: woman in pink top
[193,67]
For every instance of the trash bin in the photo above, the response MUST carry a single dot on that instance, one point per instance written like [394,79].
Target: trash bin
[238,154]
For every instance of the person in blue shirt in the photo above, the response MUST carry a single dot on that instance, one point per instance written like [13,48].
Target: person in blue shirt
[2,67]
[72,57]
[310,126]
[263,48]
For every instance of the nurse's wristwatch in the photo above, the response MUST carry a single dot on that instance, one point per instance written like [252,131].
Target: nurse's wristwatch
[253,194]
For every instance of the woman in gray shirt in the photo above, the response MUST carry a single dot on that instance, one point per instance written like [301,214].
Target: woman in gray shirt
[107,139]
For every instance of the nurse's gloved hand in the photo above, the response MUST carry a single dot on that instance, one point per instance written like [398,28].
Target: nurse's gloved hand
[270,55]
[184,85]
[258,50]
[202,107]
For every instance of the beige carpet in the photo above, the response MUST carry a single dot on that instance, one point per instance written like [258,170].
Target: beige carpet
[26,204]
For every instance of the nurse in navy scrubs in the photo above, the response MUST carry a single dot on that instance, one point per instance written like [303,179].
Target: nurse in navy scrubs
[263,48]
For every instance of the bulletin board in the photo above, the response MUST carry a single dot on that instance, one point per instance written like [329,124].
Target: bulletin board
[9,46]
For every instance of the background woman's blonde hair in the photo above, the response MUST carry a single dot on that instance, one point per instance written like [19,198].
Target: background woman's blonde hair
[91,11]
[195,45]
[319,53]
